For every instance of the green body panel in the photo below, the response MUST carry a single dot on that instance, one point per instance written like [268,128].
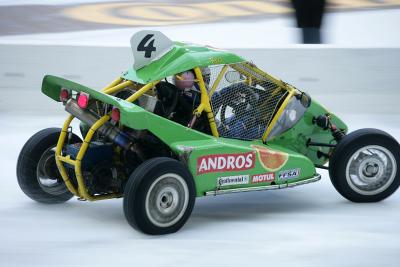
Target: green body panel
[182,57]
[296,137]
[168,131]
[194,150]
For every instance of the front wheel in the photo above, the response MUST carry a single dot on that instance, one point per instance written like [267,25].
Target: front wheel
[365,166]
[159,196]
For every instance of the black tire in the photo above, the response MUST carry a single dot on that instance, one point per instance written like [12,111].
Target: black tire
[370,146]
[39,145]
[144,188]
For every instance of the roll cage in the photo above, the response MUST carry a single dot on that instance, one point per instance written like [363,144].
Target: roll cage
[252,76]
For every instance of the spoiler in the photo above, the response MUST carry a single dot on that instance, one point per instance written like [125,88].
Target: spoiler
[132,115]
[51,86]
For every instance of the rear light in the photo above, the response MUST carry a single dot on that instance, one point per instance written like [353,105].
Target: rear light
[115,114]
[83,100]
[64,94]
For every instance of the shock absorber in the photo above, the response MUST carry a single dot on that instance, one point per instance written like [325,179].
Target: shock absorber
[336,133]
[324,121]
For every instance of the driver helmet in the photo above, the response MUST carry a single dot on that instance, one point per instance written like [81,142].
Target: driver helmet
[184,80]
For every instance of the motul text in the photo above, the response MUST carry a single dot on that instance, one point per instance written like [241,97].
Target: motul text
[265,177]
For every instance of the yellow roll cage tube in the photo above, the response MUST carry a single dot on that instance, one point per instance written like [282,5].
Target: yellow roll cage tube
[118,85]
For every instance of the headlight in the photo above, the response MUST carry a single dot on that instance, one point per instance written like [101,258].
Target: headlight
[293,112]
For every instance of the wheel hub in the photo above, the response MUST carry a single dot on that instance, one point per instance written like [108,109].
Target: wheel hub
[371,170]
[166,200]
[50,167]
[47,174]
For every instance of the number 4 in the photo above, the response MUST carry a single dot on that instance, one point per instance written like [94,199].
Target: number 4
[147,48]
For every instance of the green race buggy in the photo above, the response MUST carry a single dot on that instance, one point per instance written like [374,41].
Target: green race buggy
[188,121]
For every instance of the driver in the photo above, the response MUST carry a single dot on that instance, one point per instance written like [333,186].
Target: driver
[242,123]
[189,90]
[189,99]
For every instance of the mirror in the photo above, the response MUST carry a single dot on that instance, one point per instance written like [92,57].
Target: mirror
[233,76]
[305,99]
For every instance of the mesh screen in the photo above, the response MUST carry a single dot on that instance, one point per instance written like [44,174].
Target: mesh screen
[244,101]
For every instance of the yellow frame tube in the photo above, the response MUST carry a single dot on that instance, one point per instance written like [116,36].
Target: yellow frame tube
[61,168]
[117,88]
[218,80]
[277,115]
[141,91]
[67,159]
[112,84]
[249,81]
[82,190]
[280,83]
[199,110]
[266,75]
[205,101]
[242,71]
[78,170]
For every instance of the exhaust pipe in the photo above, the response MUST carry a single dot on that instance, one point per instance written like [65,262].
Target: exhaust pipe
[89,117]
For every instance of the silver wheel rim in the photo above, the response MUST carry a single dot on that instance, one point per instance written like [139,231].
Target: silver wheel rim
[167,200]
[47,174]
[371,170]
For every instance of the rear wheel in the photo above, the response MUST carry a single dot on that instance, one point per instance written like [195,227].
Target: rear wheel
[365,166]
[37,172]
[159,196]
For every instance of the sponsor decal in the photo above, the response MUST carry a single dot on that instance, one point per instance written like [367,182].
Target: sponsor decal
[225,162]
[289,174]
[264,177]
[270,159]
[233,180]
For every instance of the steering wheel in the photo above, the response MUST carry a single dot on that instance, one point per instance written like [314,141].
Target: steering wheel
[242,99]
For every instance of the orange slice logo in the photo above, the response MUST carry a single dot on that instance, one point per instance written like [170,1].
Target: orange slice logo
[270,159]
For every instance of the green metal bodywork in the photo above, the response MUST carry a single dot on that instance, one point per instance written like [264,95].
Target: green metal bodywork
[183,56]
[221,146]
[296,137]
[190,145]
